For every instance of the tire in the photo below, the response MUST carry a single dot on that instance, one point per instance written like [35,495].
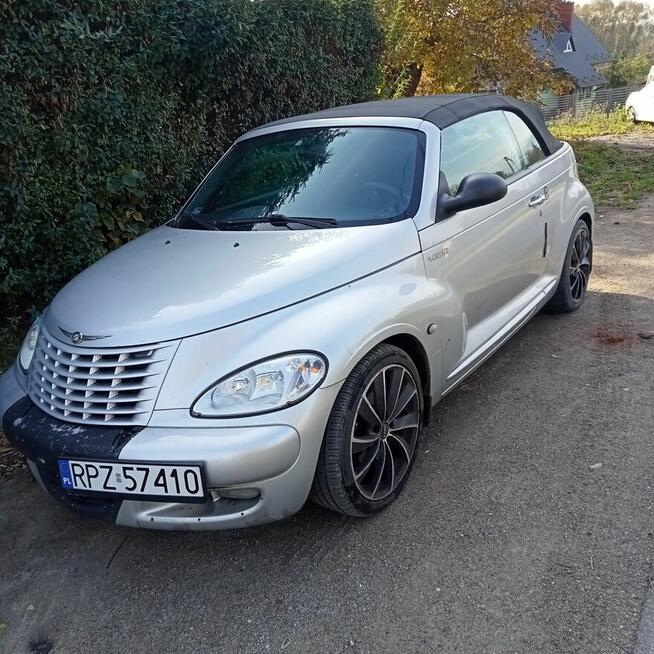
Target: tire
[573,283]
[631,114]
[354,437]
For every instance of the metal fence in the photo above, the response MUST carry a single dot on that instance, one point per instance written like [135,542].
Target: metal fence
[580,103]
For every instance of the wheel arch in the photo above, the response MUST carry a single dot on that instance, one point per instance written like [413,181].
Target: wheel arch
[586,217]
[416,351]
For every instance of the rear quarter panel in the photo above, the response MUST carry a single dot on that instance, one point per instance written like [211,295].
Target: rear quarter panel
[570,200]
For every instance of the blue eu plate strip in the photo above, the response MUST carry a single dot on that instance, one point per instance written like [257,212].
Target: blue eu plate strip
[64,473]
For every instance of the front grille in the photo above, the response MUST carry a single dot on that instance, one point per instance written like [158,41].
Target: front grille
[116,386]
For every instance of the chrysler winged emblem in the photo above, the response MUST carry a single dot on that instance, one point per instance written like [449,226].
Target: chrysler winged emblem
[78,337]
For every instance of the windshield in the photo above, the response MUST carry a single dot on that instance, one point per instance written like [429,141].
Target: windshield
[326,176]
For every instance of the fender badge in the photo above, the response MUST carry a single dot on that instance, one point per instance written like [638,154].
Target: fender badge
[438,255]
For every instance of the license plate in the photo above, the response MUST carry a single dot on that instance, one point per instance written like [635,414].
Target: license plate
[136,480]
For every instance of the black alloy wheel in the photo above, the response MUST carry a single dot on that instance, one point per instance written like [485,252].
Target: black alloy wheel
[577,266]
[385,432]
[372,435]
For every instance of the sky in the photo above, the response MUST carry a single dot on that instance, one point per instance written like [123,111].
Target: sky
[647,2]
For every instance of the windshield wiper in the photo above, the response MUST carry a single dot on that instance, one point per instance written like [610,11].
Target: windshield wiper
[198,221]
[280,220]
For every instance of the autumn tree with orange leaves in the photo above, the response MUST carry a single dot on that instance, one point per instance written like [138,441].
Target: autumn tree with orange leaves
[441,46]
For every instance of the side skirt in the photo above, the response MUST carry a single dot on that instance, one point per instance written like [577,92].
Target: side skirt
[491,346]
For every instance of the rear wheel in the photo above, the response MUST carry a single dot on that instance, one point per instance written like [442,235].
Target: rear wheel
[571,291]
[631,114]
[372,435]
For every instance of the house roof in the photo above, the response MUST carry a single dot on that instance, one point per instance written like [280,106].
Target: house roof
[441,110]
[580,62]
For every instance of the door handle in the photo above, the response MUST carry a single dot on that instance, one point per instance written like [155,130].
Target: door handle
[537,200]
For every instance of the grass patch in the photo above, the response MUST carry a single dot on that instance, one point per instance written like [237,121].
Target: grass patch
[597,123]
[615,177]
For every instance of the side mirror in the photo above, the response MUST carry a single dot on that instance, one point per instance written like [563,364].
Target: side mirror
[475,190]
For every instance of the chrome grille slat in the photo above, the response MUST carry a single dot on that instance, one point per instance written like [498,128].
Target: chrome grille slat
[89,395]
[128,374]
[97,361]
[93,408]
[98,386]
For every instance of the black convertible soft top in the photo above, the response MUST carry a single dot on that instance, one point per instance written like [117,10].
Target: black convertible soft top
[442,111]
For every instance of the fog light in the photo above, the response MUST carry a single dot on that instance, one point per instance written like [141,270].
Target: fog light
[239,493]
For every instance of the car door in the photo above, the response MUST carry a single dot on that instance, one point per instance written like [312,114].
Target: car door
[485,263]
[547,178]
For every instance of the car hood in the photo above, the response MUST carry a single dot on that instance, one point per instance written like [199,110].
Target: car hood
[172,283]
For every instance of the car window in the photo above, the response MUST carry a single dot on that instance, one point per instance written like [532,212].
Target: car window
[530,148]
[351,175]
[483,143]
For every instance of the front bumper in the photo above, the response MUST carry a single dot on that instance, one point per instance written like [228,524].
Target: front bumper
[274,459]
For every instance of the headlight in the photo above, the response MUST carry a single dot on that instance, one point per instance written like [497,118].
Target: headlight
[264,386]
[29,345]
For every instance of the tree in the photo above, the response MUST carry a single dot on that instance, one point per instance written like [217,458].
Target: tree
[436,46]
[625,28]
[630,70]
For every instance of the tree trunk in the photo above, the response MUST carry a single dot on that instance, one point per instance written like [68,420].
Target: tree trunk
[414,73]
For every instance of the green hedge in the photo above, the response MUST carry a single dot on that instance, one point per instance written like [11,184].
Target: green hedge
[112,110]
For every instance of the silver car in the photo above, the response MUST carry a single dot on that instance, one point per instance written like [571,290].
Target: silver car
[286,335]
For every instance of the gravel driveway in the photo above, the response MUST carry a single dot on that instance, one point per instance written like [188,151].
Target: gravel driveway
[526,527]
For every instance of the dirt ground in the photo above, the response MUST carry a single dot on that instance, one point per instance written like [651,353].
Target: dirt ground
[639,141]
[527,525]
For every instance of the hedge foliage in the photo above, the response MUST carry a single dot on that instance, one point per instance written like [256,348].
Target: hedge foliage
[112,110]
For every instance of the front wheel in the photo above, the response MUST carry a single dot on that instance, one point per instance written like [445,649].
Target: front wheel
[631,115]
[573,284]
[372,435]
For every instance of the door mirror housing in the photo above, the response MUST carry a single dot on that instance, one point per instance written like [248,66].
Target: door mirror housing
[475,190]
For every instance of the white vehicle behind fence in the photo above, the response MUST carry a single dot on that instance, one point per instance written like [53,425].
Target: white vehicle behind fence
[640,104]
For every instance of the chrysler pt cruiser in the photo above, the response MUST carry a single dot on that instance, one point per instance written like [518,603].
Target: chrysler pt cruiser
[286,335]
